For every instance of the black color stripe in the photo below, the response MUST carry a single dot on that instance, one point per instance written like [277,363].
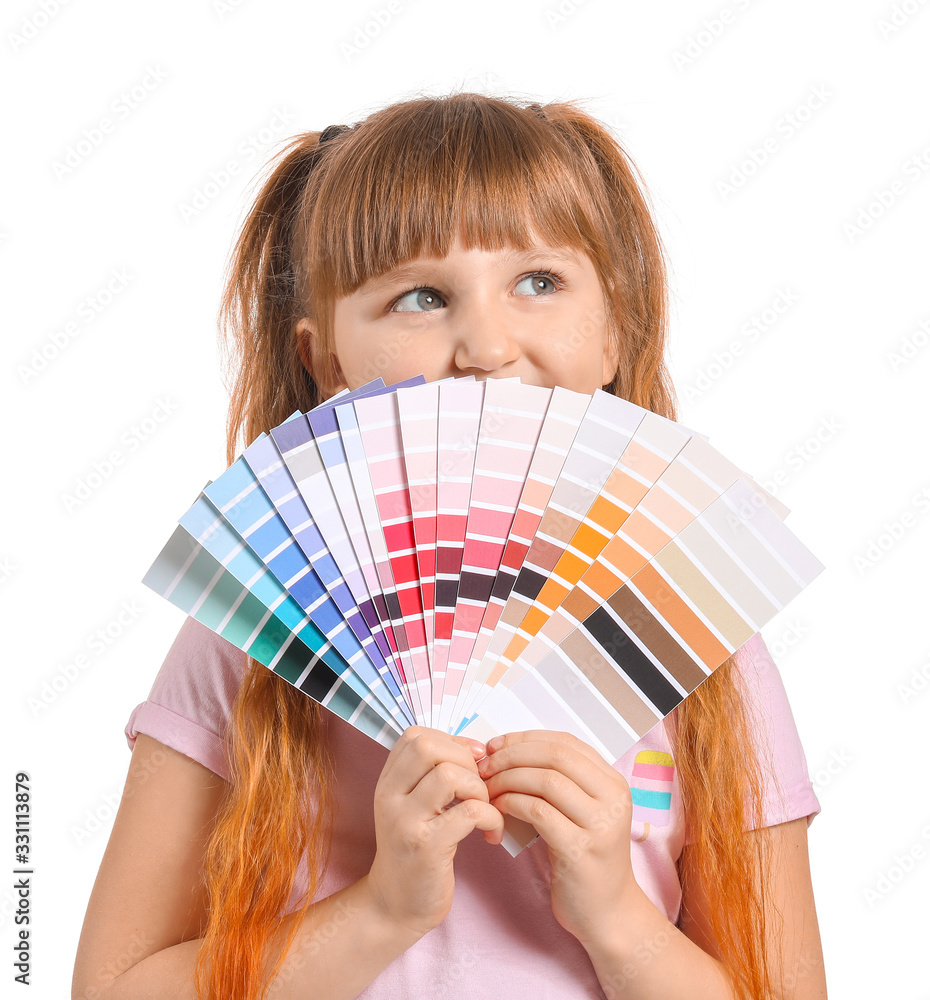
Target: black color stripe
[475,586]
[320,681]
[392,605]
[503,585]
[529,583]
[632,661]
[446,593]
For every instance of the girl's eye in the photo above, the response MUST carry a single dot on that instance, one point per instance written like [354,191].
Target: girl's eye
[417,300]
[425,299]
[541,283]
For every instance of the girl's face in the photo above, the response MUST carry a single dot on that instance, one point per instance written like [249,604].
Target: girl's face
[539,315]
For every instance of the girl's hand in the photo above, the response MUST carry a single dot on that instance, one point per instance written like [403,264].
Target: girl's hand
[417,835]
[582,808]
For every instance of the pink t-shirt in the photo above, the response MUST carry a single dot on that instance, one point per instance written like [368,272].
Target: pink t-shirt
[500,927]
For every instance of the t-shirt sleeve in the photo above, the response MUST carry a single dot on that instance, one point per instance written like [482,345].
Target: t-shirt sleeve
[192,697]
[789,793]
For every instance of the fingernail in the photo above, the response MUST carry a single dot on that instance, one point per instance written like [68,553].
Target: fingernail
[477,748]
[496,743]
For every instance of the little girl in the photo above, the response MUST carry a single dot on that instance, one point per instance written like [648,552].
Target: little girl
[264,847]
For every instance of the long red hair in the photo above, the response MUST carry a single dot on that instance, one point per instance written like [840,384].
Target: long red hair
[328,217]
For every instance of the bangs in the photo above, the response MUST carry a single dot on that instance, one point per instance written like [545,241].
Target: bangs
[411,178]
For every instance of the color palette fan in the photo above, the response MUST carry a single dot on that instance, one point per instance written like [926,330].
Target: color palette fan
[485,557]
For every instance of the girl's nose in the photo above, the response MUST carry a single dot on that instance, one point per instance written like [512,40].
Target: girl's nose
[484,342]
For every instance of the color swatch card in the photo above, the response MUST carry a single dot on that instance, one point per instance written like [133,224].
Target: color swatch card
[511,421]
[419,426]
[483,557]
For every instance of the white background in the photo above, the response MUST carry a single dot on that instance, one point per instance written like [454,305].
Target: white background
[828,400]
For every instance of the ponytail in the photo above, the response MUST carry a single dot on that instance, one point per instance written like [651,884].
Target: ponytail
[261,304]
[275,816]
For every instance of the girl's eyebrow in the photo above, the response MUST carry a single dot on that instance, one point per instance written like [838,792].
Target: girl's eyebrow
[407,271]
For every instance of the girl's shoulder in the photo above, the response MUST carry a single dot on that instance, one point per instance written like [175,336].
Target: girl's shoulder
[789,791]
[192,696]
